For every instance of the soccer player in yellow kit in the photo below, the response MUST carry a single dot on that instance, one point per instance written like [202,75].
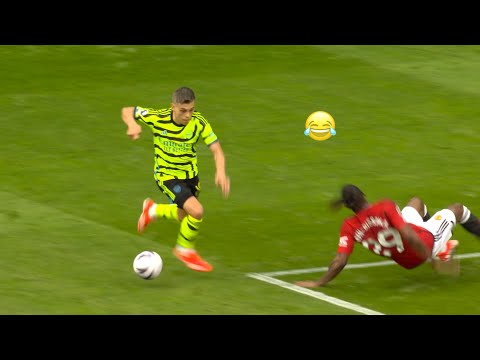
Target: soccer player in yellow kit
[176,132]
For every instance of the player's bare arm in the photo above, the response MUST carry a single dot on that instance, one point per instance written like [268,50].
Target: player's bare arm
[335,267]
[221,178]
[133,128]
[412,238]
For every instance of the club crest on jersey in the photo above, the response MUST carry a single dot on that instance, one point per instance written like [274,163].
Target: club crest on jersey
[438,217]
[177,189]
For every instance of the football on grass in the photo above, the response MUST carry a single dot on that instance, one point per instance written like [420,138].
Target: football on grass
[148,265]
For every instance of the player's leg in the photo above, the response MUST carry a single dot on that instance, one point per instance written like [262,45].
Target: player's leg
[419,206]
[444,262]
[413,212]
[441,225]
[469,221]
[444,221]
[185,249]
[466,218]
[190,225]
[152,210]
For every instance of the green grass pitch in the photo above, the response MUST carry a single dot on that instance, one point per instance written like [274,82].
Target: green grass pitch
[72,183]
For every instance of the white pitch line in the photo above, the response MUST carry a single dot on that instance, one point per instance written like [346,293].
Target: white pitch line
[315,294]
[325,268]
[467,256]
[351,266]
[268,277]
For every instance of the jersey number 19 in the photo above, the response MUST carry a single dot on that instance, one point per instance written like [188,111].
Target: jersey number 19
[385,241]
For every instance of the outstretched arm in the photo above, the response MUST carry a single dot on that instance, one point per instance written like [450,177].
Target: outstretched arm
[221,178]
[133,128]
[336,266]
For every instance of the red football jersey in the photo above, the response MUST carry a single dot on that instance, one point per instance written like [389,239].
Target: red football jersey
[376,228]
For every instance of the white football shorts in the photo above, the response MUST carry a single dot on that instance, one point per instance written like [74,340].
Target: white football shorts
[440,225]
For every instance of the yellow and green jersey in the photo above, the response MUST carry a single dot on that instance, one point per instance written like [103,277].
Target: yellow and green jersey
[175,145]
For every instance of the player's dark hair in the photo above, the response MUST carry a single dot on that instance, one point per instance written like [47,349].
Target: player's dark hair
[351,197]
[183,95]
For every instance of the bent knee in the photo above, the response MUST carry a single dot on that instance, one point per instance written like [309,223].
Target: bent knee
[417,204]
[457,209]
[415,201]
[196,212]
[193,208]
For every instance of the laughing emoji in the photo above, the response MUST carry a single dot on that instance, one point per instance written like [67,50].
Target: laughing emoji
[320,126]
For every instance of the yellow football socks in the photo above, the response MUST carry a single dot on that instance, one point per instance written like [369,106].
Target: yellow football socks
[166,211]
[188,232]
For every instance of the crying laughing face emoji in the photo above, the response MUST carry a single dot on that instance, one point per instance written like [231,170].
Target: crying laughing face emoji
[320,126]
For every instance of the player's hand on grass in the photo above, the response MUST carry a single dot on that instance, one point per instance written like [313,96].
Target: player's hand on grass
[134,131]
[308,283]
